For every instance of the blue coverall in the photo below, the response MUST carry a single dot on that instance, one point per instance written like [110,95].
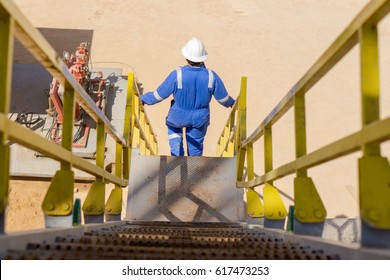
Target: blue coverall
[192,89]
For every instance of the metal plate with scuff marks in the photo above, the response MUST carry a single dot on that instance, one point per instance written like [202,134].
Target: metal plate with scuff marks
[187,189]
[29,98]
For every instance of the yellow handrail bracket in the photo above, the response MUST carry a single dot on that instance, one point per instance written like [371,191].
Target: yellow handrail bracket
[308,204]
[273,204]
[59,197]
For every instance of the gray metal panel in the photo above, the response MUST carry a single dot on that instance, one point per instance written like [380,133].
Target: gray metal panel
[29,96]
[188,189]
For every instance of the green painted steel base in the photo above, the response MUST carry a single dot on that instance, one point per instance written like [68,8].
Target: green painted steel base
[77,212]
[290,219]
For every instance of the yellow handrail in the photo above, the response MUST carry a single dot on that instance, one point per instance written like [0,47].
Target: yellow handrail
[374,170]
[225,146]
[59,197]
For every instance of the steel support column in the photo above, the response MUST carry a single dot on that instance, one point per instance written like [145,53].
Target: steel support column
[6,51]
[309,211]
[374,170]
[58,202]
[93,207]
[274,209]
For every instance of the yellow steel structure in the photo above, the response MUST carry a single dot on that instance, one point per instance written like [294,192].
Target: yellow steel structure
[374,170]
[59,198]
[229,144]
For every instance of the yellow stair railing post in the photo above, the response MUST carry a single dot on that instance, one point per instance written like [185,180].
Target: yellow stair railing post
[274,209]
[374,170]
[309,209]
[253,202]
[93,206]
[255,208]
[230,147]
[241,130]
[123,154]
[128,129]
[114,201]
[6,51]
[142,128]
[58,202]
[137,130]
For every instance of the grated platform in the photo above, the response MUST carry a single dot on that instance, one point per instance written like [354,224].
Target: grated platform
[167,240]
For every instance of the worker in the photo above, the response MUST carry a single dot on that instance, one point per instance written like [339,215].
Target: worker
[192,86]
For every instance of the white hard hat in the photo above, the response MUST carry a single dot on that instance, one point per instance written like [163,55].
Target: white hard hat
[194,51]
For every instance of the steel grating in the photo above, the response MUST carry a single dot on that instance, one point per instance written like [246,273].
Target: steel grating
[161,240]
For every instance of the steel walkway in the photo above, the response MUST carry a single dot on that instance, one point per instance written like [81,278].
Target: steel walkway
[196,208]
[169,240]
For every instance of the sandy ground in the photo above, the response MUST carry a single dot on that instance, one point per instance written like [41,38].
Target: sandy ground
[273,43]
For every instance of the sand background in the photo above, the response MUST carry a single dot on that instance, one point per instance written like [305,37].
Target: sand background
[272,42]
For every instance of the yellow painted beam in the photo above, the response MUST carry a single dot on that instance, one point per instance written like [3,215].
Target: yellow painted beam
[136,129]
[40,48]
[231,122]
[58,200]
[300,130]
[268,162]
[369,81]
[34,141]
[143,137]
[68,121]
[114,201]
[274,208]
[6,55]
[372,13]
[128,129]
[241,129]
[378,131]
